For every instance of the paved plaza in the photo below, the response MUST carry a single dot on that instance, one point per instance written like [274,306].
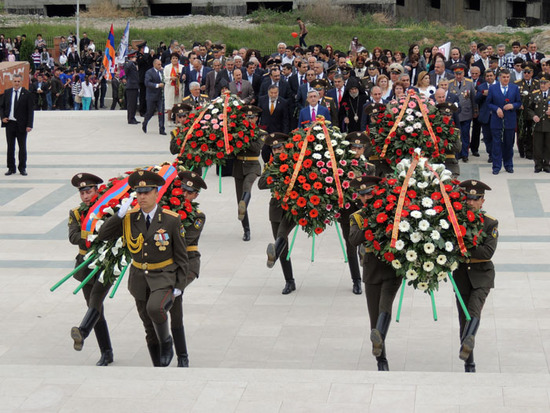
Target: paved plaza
[251,348]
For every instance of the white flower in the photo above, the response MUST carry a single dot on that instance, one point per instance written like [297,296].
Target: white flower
[88,255]
[427,174]
[114,251]
[93,215]
[417,125]
[418,151]
[119,243]
[99,224]
[339,152]
[236,103]
[401,124]
[419,114]
[409,129]
[449,246]
[411,275]
[441,276]
[317,156]
[318,147]
[416,237]
[210,107]
[435,182]
[422,286]
[108,211]
[333,143]
[319,128]
[116,270]
[416,214]
[412,181]
[427,202]
[344,143]
[441,259]
[411,256]
[101,249]
[327,154]
[92,265]
[409,111]
[454,266]
[215,110]
[430,212]
[91,237]
[428,266]
[422,185]
[444,224]
[409,118]
[423,225]
[123,261]
[435,235]
[100,278]
[429,247]
[402,174]
[399,245]
[396,264]
[404,226]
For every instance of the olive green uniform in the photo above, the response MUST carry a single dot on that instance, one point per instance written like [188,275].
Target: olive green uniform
[541,134]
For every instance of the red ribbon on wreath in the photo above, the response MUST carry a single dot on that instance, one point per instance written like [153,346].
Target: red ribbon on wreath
[224,126]
[191,130]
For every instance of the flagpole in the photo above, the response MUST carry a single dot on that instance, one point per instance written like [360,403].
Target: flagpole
[78,26]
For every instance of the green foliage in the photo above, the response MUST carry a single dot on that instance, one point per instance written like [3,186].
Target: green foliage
[27,49]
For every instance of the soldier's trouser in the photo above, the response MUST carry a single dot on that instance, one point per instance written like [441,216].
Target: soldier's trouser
[243,185]
[176,313]
[154,310]
[380,298]
[541,149]
[131,103]
[474,299]
[351,251]
[281,230]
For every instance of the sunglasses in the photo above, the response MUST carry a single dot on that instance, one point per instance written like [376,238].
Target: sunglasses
[527,71]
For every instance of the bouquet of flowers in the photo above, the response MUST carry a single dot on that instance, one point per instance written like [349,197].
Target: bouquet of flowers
[419,223]
[214,132]
[174,200]
[413,123]
[311,177]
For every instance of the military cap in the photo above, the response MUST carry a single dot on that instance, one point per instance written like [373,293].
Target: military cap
[458,67]
[374,109]
[345,70]
[270,61]
[358,139]
[217,47]
[145,181]
[396,67]
[518,61]
[139,46]
[85,180]
[191,181]
[474,189]
[373,64]
[132,53]
[544,78]
[447,108]
[528,65]
[277,60]
[276,139]
[319,84]
[332,68]
[364,185]
[251,110]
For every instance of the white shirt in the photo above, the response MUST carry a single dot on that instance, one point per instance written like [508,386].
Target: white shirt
[12,109]
[151,214]
[311,108]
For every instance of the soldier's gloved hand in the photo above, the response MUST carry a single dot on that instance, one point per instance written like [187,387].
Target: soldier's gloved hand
[177,292]
[125,207]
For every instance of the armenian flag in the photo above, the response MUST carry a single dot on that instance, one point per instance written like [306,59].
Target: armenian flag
[109,56]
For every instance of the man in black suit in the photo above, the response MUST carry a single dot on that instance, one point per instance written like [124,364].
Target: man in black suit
[254,78]
[535,57]
[274,78]
[154,83]
[132,87]
[275,116]
[225,76]
[17,114]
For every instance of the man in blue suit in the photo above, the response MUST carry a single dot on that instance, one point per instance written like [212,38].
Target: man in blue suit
[503,100]
[154,84]
[311,112]
[484,111]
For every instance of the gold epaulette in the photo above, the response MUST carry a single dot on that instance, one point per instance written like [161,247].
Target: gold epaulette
[535,91]
[489,216]
[518,81]
[358,218]
[169,212]
[468,80]
[76,214]
[328,98]
[205,96]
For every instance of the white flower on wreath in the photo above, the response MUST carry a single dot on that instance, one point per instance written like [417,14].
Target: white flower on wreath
[412,181]
[101,277]
[116,270]
[396,264]
[411,275]
[215,110]
[423,225]
[419,114]
[319,128]
[449,246]
[417,125]
[318,147]
[416,237]
[339,152]
[327,154]
[430,212]
[435,235]
[402,174]
[409,118]
[401,124]
[321,136]
[427,202]
[416,214]
[317,156]
[422,185]
[441,276]
[427,174]
[441,259]
[409,129]
[444,224]
[409,111]
[123,261]
[411,256]
[404,226]
[428,266]
[454,266]
[429,248]
[399,245]
[344,143]
[422,286]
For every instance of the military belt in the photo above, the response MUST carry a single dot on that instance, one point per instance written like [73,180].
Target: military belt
[82,252]
[374,158]
[451,156]
[248,158]
[192,248]
[475,261]
[367,249]
[152,266]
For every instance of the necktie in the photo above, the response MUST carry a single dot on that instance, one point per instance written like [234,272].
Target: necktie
[230,76]
[199,77]
[16,98]
[147,221]
[459,85]
[303,79]
[272,108]
[238,86]
[544,95]
[373,80]
[505,90]
[339,96]
[437,80]
[313,115]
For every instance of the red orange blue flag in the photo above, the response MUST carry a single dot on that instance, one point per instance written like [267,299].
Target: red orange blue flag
[109,56]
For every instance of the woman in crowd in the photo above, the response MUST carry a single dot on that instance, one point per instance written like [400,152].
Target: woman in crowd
[398,91]
[87,93]
[376,53]
[423,85]
[75,90]
[174,73]
[384,83]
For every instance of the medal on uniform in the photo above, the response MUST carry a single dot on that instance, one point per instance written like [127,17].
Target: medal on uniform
[161,239]
[356,118]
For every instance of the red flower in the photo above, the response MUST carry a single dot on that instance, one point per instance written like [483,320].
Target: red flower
[199,133]
[197,158]
[283,157]
[378,203]
[239,144]
[175,201]
[471,216]
[454,195]
[317,185]
[312,176]
[193,144]
[438,208]
[165,207]
[220,144]
[284,205]
[177,191]
[313,213]
[293,195]
[462,230]
[302,222]
[301,202]
[269,180]
[113,203]
[293,212]
[411,194]
[439,129]
[219,155]
[318,230]
[388,256]
[183,214]
[208,162]
[307,163]
[376,245]
[307,187]
[457,206]
[283,168]
[301,179]
[389,207]
[176,183]
[369,236]
[212,137]
[381,218]
[436,196]
[315,200]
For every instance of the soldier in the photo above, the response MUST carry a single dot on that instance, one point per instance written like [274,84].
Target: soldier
[191,184]
[525,125]
[381,282]
[280,225]
[132,87]
[180,113]
[475,277]
[360,144]
[539,112]
[156,239]
[94,291]
[465,90]
[195,99]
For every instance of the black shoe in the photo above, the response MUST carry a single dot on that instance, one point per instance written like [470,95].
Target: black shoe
[465,159]
[134,122]
[166,343]
[357,287]
[529,157]
[495,172]
[181,346]
[546,169]
[144,127]
[289,287]
[490,160]
[9,173]
[383,365]
[246,235]
[23,172]
[154,352]
[521,155]
[162,133]
[476,154]
[106,358]
[510,170]
[538,169]
[183,361]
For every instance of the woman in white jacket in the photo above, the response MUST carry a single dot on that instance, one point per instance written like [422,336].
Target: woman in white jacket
[87,93]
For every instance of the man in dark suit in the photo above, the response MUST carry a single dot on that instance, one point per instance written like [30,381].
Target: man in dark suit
[303,90]
[242,88]
[132,87]
[314,109]
[439,73]
[483,62]
[197,74]
[155,100]
[535,57]
[17,114]
[275,116]
[144,63]
[225,76]
[274,78]
[503,100]
[211,77]
[254,78]
[455,58]
[484,111]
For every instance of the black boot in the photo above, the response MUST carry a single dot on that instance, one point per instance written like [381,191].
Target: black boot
[243,205]
[154,352]
[468,338]
[165,340]
[78,334]
[378,335]
[104,341]
[289,287]
[357,287]
[181,346]
[382,361]
[246,234]
[469,365]
[353,263]
[274,251]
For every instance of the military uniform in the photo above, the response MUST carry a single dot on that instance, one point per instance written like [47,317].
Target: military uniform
[538,106]
[160,261]
[466,92]
[525,129]
[94,291]
[280,225]
[246,168]
[381,282]
[195,102]
[475,277]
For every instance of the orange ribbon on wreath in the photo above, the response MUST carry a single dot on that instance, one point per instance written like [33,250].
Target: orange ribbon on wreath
[297,168]
[224,126]
[191,130]
[395,124]
[334,166]
[428,123]
[401,201]
[451,211]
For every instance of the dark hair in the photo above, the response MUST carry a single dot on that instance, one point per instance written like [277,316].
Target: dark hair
[287,66]
[174,55]
[516,44]
[504,71]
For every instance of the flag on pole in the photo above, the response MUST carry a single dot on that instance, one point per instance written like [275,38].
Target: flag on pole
[123,47]
[109,56]
[445,49]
